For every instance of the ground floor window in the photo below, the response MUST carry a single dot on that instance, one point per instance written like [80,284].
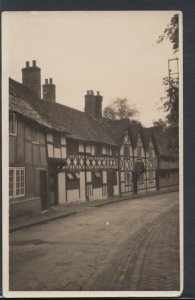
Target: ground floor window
[16,182]
[97,179]
[72,181]
[150,175]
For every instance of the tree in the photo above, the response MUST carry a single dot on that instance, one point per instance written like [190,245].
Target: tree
[120,109]
[171,84]
[171,33]
[160,124]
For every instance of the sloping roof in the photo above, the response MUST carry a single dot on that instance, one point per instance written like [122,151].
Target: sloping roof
[146,135]
[135,130]
[75,123]
[162,142]
[117,128]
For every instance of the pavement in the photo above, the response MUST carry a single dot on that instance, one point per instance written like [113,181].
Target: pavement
[69,209]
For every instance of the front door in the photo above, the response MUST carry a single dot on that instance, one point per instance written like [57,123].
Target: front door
[110,183]
[43,190]
[135,178]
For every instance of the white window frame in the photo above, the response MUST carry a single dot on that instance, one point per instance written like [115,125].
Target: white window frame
[12,114]
[15,183]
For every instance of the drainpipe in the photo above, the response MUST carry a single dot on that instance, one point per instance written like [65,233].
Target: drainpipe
[85,169]
[119,172]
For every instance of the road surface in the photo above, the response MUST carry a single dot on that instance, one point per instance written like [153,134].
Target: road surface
[131,245]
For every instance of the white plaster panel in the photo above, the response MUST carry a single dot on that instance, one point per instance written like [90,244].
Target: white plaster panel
[82,186]
[61,188]
[103,150]
[72,195]
[122,150]
[122,176]
[57,153]
[63,140]
[49,137]
[50,150]
[63,149]
[88,148]
[89,177]
[93,150]
[97,193]
[104,176]
[81,147]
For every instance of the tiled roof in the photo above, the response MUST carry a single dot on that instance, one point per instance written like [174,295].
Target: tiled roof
[75,123]
[118,129]
[162,142]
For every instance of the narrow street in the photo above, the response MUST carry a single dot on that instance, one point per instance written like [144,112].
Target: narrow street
[127,246]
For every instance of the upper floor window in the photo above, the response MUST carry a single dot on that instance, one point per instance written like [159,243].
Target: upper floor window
[139,152]
[12,124]
[128,178]
[16,182]
[72,146]
[35,136]
[114,151]
[57,140]
[98,149]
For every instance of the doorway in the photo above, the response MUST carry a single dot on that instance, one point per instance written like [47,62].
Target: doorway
[43,190]
[135,179]
[111,181]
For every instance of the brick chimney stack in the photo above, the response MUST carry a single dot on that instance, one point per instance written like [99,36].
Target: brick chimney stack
[49,92]
[93,104]
[31,77]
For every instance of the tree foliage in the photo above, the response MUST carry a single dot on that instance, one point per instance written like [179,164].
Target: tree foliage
[171,98]
[171,33]
[120,109]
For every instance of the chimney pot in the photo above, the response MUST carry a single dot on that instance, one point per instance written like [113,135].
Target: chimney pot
[46,81]
[50,80]
[34,63]
[98,93]
[27,64]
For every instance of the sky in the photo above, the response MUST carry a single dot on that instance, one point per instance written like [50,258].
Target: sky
[111,52]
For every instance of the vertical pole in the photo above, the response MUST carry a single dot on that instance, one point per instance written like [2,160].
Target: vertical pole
[85,169]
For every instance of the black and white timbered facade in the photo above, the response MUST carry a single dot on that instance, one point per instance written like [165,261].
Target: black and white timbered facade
[58,154]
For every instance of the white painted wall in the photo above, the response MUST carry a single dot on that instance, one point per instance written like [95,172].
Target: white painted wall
[72,195]
[103,150]
[122,150]
[61,188]
[50,150]
[82,186]
[57,152]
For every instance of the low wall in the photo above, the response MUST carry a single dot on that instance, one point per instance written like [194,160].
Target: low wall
[23,207]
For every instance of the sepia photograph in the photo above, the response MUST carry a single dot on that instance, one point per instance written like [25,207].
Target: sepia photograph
[92,134]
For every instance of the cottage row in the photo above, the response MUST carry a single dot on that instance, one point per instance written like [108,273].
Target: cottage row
[58,154]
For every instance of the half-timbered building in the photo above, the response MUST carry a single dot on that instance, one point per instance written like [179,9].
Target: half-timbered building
[58,154]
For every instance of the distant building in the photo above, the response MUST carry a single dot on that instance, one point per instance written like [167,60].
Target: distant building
[58,154]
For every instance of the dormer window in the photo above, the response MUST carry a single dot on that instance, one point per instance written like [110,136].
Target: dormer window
[57,140]
[12,124]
